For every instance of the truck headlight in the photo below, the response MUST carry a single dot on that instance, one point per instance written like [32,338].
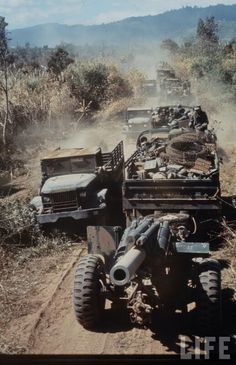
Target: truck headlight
[46,199]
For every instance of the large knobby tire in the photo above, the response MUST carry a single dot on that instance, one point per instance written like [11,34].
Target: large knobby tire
[89,299]
[208,297]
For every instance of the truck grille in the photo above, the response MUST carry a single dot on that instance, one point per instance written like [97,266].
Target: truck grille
[60,202]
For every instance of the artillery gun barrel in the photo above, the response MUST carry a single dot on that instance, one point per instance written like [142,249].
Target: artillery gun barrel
[135,233]
[122,272]
[126,266]
[123,243]
[147,234]
[163,235]
[128,263]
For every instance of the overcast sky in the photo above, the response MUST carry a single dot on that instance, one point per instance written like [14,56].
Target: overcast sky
[22,13]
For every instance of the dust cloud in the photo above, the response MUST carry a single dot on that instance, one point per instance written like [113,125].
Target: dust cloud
[147,58]
[106,131]
[106,136]
[226,125]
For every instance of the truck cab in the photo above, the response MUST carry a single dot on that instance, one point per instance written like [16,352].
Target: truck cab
[77,183]
[163,74]
[176,90]
[148,88]
[137,120]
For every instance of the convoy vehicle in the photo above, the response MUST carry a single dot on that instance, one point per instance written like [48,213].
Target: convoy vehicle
[139,119]
[161,261]
[79,184]
[164,72]
[171,88]
[175,90]
[148,88]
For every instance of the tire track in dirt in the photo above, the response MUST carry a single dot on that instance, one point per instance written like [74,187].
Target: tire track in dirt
[41,315]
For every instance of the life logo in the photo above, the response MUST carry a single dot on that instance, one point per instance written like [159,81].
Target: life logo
[205,347]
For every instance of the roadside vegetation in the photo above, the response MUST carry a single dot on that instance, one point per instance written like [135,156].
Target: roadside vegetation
[44,88]
[208,63]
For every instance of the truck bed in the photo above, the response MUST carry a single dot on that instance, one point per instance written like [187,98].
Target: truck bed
[114,159]
[170,195]
[155,182]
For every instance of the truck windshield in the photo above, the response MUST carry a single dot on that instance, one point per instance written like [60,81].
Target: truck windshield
[58,167]
[166,73]
[174,82]
[83,164]
[138,114]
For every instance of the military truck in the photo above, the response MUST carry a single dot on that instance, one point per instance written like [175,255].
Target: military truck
[161,261]
[80,184]
[139,119]
[164,72]
[176,90]
[148,88]
[171,88]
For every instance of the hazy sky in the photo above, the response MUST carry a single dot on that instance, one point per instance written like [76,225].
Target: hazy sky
[22,13]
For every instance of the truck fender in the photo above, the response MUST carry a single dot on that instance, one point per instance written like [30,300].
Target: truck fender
[102,195]
[36,203]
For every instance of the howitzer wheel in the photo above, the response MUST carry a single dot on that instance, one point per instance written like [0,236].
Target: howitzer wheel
[208,300]
[89,300]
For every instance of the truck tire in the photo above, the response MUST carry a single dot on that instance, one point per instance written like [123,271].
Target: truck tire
[208,300]
[89,300]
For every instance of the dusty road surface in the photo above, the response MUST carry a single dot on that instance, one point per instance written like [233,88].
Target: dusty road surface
[38,315]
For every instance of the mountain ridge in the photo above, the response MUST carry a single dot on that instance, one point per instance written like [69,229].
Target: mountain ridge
[171,24]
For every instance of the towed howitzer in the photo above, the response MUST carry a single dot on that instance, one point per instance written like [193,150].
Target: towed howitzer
[151,237]
[148,268]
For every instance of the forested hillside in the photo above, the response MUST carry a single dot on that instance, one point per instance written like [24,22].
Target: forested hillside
[175,24]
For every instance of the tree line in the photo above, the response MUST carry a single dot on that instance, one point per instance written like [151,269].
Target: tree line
[206,57]
[38,85]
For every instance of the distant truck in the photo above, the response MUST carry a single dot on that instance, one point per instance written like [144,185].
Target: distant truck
[139,119]
[79,184]
[171,88]
[164,72]
[176,90]
[148,88]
